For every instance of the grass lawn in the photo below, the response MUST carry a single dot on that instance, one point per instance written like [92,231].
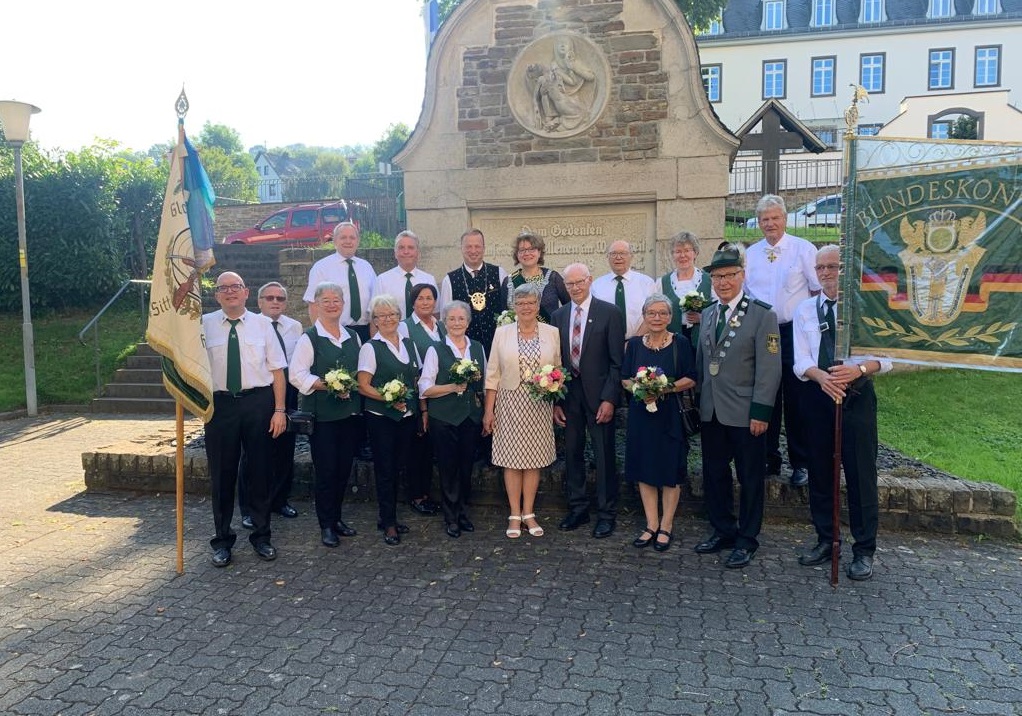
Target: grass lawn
[816,234]
[963,421]
[65,369]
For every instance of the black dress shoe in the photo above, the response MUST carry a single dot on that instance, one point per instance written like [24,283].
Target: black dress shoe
[221,557]
[465,524]
[452,530]
[391,536]
[861,567]
[603,528]
[573,521]
[642,540]
[329,537]
[401,529]
[343,530]
[714,543]
[423,507]
[246,522]
[740,557]
[663,546]
[266,551]
[822,552]
[799,477]
[287,511]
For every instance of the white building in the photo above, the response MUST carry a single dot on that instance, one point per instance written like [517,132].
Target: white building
[930,60]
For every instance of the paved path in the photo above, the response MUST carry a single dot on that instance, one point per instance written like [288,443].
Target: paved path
[94,620]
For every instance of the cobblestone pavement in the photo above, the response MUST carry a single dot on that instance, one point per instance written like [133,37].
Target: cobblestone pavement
[94,620]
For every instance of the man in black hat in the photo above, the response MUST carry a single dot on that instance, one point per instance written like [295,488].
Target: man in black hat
[738,360]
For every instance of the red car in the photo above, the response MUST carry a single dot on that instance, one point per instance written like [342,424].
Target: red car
[305,225]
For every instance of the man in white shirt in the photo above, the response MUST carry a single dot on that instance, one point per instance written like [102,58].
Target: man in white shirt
[355,275]
[624,288]
[247,367]
[398,281]
[477,283]
[847,383]
[779,271]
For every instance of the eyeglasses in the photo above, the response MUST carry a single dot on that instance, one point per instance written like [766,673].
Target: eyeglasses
[387,316]
[576,284]
[658,314]
[230,288]
[278,299]
[619,254]
[729,276]
[528,250]
[828,267]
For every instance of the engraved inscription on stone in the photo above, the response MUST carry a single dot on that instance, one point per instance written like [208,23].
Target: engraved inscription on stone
[558,85]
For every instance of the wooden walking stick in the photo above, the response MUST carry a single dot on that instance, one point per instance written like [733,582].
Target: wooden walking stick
[835,545]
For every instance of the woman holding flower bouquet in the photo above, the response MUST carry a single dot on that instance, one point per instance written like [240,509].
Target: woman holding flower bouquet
[451,380]
[658,364]
[323,370]
[687,287]
[388,369]
[524,353]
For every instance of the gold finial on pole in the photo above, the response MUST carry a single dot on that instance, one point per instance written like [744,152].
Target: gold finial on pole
[859,94]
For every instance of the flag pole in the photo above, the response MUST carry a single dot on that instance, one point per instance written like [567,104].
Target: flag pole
[179,418]
[835,545]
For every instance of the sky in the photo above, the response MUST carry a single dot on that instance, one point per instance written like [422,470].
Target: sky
[314,72]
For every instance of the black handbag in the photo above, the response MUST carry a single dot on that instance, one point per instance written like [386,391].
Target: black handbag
[301,422]
[688,404]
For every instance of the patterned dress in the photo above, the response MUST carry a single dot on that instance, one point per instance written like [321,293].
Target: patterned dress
[523,438]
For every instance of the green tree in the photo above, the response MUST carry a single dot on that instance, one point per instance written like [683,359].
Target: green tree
[233,176]
[965,127]
[221,136]
[391,142]
[699,13]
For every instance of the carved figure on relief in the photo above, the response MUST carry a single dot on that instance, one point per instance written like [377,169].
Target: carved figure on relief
[558,104]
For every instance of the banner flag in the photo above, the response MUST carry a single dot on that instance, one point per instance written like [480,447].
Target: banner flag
[933,248]
[175,308]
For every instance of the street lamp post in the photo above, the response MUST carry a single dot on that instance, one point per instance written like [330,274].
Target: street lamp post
[14,118]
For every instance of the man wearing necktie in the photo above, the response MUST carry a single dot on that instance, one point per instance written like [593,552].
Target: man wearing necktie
[625,288]
[272,304]
[354,274]
[247,366]
[830,382]
[399,280]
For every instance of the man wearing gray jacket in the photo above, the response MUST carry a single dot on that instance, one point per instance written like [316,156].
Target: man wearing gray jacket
[738,362]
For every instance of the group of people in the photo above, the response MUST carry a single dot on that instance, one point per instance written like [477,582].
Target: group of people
[432,373]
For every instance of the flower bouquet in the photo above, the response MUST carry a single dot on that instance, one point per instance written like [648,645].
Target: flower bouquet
[547,384]
[506,317]
[340,382]
[693,301]
[465,371]
[394,391]
[650,382]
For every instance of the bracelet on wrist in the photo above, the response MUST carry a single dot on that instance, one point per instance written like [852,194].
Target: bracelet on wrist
[279,410]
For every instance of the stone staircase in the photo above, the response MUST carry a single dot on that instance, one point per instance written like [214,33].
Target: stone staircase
[137,387]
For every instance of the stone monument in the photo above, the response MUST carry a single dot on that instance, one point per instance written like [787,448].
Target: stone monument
[582,123]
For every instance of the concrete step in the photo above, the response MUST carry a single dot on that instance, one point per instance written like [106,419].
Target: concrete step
[143,350]
[148,391]
[146,362]
[139,375]
[154,406]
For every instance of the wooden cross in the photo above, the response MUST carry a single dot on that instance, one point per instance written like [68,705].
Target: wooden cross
[770,140]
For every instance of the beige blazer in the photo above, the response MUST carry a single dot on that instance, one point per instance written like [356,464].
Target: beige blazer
[502,367]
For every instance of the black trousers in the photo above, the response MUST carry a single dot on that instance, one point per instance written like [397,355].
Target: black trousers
[239,423]
[333,444]
[787,405]
[721,445]
[282,465]
[579,422]
[419,479]
[858,457]
[391,441]
[455,448]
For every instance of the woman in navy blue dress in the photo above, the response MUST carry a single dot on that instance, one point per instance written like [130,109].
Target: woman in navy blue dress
[656,450]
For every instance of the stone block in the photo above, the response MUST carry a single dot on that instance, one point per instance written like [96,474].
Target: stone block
[982,497]
[1004,502]
[580,155]
[898,494]
[547,157]
[473,125]
[633,41]
[639,68]
[989,525]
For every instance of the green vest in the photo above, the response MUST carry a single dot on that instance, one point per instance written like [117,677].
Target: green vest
[677,314]
[453,408]
[325,357]
[421,338]
[388,367]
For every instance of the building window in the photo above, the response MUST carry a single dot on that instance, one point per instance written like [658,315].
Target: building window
[273,189]
[940,130]
[823,76]
[716,27]
[871,72]
[941,8]
[988,66]
[774,15]
[773,78]
[872,11]
[711,82]
[823,13]
[827,135]
[868,130]
[942,69]
[986,7]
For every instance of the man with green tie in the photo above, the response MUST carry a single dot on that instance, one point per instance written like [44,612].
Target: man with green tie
[354,274]
[398,281]
[625,288]
[247,366]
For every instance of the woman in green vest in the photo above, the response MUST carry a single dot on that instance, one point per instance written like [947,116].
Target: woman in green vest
[529,252]
[392,423]
[325,347]
[455,413]
[423,328]
[686,277]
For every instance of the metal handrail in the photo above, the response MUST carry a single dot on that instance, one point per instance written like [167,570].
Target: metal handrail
[94,323]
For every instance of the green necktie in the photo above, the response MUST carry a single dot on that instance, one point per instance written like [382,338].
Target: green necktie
[619,296]
[408,295]
[280,340]
[233,358]
[721,321]
[355,310]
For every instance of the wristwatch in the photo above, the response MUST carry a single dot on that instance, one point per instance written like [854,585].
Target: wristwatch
[862,368]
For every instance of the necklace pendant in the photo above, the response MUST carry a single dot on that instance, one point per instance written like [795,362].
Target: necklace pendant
[714,367]
[478,300]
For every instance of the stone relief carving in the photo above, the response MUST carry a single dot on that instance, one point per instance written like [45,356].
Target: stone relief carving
[558,85]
